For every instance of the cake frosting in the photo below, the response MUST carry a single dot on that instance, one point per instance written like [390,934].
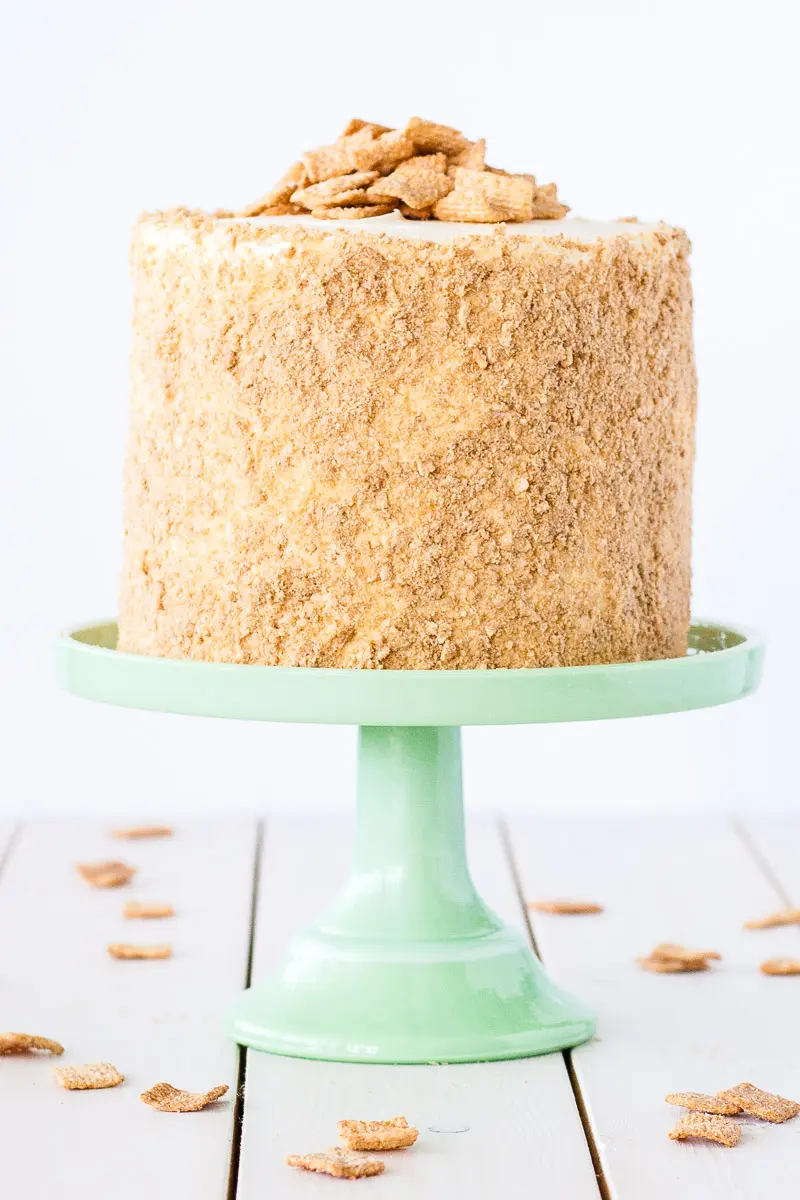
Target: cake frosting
[405,444]
[447,232]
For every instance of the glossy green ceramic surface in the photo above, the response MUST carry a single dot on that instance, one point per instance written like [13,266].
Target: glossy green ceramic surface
[408,965]
[724,664]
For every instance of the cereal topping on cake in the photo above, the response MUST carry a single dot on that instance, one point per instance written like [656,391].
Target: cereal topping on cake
[423,171]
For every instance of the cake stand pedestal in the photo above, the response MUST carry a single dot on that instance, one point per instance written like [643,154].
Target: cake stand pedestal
[408,965]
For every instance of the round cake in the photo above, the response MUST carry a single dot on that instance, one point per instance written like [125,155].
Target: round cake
[393,443]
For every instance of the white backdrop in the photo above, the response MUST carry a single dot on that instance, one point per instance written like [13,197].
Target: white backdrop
[684,111]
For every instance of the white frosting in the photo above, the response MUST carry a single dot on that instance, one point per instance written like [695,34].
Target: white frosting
[447,231]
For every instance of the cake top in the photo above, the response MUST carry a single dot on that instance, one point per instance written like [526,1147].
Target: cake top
[424,171]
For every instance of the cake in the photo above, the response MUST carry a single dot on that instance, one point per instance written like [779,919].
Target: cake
[361,439]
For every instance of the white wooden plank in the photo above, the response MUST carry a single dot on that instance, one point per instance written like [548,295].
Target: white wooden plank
[775,839]
[524,1136]
[155,1021]
[690,881]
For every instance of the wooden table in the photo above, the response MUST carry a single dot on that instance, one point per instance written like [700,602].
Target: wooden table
[578,1126]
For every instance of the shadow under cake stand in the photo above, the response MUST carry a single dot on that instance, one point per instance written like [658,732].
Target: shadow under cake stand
[408,965]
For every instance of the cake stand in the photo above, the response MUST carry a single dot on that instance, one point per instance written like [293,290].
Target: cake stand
[408,965]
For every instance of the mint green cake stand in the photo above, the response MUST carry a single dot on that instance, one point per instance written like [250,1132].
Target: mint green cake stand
[408,965]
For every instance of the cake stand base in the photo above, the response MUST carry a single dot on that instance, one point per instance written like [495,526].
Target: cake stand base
[408,965]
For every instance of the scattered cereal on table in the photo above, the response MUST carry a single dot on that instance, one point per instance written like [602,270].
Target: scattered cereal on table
[566,907]
[129,951]
[698,1102]
[144,831]
[167,1098]
[21,1043]
[106,874]
[88,1077]
[342,1164]
[781,966]
[765,1105]
[710,1128]
[395,1134]
[146,910]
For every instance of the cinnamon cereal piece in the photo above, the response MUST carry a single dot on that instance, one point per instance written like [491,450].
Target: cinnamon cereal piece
[88,1077]
[546,205]
[21,1043]
[765,1105]
[484,196]
[341,1164]
[395,1134]
[698,1102]
[144,831]
[136,910]
[417,184]
[781,966]
[415,214]
[667,951]
[106,874]
[167,1098]
[427,135]
[432,162]
[331,191]
[474,157]
[357,126]
[278,195]
[128,951]
[672,966]
[786,916]
[710,1128]
[325,162]
[575,907]
[381,154]
[351,214]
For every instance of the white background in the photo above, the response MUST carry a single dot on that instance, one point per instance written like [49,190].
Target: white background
[682,111]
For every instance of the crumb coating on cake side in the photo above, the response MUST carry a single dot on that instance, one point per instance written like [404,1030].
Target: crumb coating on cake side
[354,450]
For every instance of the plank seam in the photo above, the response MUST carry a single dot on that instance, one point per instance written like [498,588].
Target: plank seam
[599,1173]
[13,838]
[754,850]
[241,1074]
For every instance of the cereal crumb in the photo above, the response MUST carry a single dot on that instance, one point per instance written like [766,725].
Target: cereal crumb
[786,916]
[127,950]
[106,874]
[574,907]
[710,1128]
[167,1098]
[342,1164]
[765,1105]
[395,1134]
[88,1077]
[144,831]
[781,966]
[698,1102]
[20,1043]
[146,910]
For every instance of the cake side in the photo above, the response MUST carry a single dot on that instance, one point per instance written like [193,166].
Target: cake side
[350,449]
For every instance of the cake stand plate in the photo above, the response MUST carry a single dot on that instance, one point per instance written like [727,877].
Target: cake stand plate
[408,964]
